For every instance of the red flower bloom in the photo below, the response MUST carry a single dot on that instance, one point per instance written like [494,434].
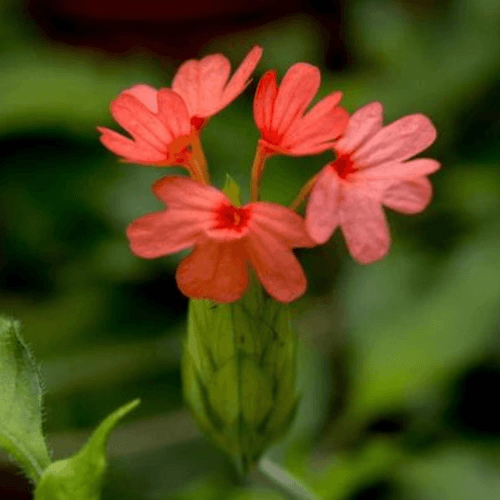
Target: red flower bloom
[158,121]
[226,239]
[279,113]
[370,171]
[204,84]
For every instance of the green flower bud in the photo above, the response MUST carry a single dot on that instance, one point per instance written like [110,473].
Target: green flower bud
[239,367]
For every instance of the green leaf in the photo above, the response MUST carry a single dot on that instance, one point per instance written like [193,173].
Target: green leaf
[232,191]
[20,403]
[80,477]
[239,366]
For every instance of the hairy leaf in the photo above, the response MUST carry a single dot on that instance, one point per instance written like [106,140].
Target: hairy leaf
[80,477]
[20,403]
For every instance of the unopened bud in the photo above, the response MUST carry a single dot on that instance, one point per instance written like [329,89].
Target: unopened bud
[239,367]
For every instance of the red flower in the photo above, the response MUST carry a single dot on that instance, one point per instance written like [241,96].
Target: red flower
[226,239]
[158,121]
[204,84]
[371,171]
[279,113]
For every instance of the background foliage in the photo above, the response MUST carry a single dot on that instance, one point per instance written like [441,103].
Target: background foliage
[399,361]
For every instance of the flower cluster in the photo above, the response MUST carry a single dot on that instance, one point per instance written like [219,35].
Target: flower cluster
[370,169]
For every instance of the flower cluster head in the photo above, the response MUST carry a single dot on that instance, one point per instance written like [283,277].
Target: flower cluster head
[372,168]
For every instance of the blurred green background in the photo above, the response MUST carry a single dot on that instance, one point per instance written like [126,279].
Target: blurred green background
[399,361]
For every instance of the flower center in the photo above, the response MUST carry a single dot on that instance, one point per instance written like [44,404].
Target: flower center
[344,166]
[197,122]
[231,217]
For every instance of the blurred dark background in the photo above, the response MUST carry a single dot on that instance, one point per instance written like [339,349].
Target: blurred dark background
[400,360]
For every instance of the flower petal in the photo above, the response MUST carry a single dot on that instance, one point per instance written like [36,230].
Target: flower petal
[397,142]
[173,113]
[162,233]
[200,83]
[240,79]
[282,222]
[363,125]
[298,88]
[146,94]
[364,225]
[214,270]
[263,103]
[410,196]
[315,132]
[139,121]
[400,170]
[186,83]
[132,151]
[322,211]
[276,266]
[187,194]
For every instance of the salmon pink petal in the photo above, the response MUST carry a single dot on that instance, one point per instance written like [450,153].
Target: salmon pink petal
[410,196]
[401,170]
[298,88]
[322,212]
[374,188]
[364,226]
[132,151]
[397,142]
[276,266]
[162,233]
[184,193]
[363,125]
[173,113]
[282,222]
[315,132]
[145,94]
[263,103]
[240,80]
[140,122]
[214,270]
[204,84]
[200,83]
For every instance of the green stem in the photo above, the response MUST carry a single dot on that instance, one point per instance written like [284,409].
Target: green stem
[286,481]
[243,471]
[198,157]
[261,154]
[304,192]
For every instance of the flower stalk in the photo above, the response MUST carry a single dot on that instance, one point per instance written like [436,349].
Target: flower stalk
[197,160]
[284,480]
[261,155]
[303,193]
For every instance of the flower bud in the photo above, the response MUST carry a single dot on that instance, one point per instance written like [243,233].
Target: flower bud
[239,367]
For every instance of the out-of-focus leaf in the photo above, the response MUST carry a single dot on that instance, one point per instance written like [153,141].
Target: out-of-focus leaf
[408,344]
[421,65]
[456,472]
[216,490]
[41,88]
[341,475]
[20,403]
[80,477]
[286,41]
